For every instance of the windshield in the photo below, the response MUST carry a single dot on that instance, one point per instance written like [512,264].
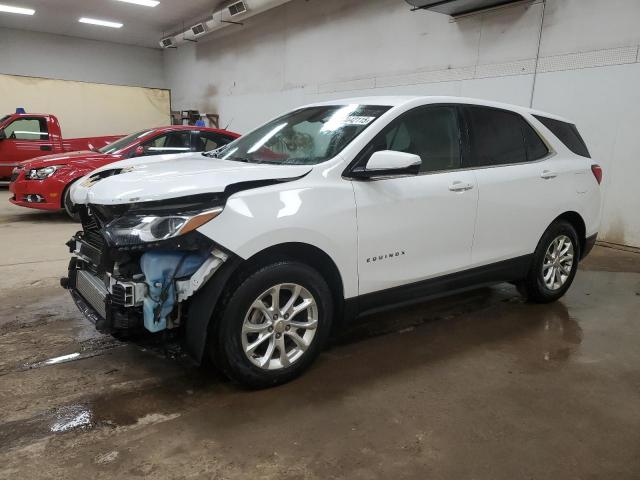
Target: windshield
[307,136]
[124,142]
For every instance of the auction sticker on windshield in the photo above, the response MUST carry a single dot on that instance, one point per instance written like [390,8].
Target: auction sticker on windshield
[358,120]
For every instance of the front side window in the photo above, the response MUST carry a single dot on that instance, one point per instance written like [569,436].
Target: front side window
[307,136]
[174,142]
[496,137]
[430,132]
[27,129]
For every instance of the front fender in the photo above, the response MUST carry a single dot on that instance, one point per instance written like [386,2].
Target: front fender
[319,212]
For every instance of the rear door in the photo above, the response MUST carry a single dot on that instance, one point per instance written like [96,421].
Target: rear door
[411,228]
[519,184]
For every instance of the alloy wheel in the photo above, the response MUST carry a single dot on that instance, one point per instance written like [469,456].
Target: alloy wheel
[558,262]
[279,326]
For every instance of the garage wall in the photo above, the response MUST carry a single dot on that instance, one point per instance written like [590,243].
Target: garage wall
[69,58]
[87,109]
[586,59]
[94,88]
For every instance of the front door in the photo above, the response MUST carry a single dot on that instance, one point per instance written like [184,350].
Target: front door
[412,228]
[26,138]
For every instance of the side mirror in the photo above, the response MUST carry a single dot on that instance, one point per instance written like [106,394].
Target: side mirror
[387,163]
[2,135]
[139,151]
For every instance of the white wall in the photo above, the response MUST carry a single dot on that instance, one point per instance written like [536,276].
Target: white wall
[588,70]
[69,58]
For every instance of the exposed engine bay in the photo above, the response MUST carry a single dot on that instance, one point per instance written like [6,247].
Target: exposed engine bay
[135,265]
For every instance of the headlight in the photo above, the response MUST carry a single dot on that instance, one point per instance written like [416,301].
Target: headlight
[41,173]
[135,229]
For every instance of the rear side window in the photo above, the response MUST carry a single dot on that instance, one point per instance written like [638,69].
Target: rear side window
[496,137]
[207,141]
[567,133]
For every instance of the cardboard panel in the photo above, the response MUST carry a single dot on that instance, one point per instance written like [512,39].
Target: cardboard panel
[87,109]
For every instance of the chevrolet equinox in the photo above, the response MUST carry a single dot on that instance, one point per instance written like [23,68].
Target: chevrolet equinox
[253,253]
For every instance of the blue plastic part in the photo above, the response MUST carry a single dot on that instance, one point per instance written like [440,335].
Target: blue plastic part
[20,110]
[200,123]
[159,268]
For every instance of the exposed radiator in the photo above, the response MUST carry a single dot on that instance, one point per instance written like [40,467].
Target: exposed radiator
[93,291]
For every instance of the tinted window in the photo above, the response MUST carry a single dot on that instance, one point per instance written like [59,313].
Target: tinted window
[429,132]
[207,141]
[567,133]
[536,148]
[174,142]
[27,129]
[496,137]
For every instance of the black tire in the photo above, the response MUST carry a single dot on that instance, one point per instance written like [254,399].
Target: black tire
[534,288]
[225,339]
[69,206]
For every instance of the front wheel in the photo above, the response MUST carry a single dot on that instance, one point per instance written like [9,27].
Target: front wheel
[273,326]
[69,207]
[554,264]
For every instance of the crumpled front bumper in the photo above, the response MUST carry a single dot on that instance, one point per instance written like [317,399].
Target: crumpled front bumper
[99,302]
[114,303]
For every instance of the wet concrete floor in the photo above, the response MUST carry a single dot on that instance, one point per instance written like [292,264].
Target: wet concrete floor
[476,386]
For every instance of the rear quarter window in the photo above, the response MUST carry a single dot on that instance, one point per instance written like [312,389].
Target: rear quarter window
[536,148]
[567,133]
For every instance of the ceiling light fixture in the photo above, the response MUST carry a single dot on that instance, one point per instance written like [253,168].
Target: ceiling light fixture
[144,3]
[20,10]
[102,23]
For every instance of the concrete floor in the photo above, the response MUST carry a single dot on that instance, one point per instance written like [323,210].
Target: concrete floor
[477,386]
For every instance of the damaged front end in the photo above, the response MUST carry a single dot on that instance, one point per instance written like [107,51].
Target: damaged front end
[136,266]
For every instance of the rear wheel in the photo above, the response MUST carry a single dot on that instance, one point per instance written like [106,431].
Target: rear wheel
[69,206]
[273,326]
[554,264]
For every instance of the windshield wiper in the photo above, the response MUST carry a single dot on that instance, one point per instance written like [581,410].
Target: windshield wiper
[215,153]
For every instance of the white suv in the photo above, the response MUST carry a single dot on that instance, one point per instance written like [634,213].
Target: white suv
[255,252]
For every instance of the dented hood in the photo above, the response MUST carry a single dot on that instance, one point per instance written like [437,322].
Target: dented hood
[172,176]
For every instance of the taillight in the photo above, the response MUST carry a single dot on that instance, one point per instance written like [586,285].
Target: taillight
[597,172]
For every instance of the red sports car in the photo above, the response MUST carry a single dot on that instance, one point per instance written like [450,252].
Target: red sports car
[44,182]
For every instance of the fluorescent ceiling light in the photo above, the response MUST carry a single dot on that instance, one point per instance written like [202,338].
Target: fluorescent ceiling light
[20,10]
[144,3]
[102,23]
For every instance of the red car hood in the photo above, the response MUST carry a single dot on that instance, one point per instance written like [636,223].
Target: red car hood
[70,158]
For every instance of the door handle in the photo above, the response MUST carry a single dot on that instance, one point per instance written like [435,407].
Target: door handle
[46,148]
[459,186]
[547,174]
